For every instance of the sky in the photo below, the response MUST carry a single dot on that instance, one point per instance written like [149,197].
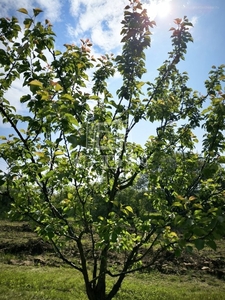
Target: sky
[99,20]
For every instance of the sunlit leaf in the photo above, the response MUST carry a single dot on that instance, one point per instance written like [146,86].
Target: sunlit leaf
[57,52]
[198,205]
[28,22]
[179,197]
[23,10]
[129,209]
[22,131]
[58,152]
[178,204]
[58,87]
[70,196]
[40,154]
[173,234]
[36,83]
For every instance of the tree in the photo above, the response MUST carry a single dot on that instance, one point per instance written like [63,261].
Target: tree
[69,163]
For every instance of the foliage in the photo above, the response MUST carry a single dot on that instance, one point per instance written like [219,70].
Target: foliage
[5,202]
[70,162]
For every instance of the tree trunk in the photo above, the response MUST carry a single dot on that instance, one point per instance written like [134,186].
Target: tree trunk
[97,293]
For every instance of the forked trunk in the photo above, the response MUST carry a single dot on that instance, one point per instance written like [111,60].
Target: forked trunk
[98,290]
[97,293]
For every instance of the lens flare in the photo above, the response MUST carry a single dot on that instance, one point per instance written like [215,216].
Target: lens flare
[159,8]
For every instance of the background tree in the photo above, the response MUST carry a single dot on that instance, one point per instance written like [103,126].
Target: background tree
[69,165]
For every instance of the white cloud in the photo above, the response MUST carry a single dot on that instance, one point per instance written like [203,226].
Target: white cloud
[101,20]
[15,92]
[51,8]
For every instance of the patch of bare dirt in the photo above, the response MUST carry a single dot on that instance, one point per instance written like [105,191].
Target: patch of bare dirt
[26,248]
[170,264]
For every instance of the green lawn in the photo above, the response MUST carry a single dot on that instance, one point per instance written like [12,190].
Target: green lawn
[48,283]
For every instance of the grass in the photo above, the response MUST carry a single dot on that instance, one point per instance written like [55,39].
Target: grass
[40,283]
[48,283]
[23,279]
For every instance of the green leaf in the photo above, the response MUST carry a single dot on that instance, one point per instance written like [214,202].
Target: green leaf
[49,174]
[23,11]
[25,98]
[189,249]
[23,131]
[67,97]
[70,196]
[58,152]
[57,52]
[212,244]
[71,119]
[37,11]
[173,234]
[177,204]
[221,159]
[140,84]
[2,180]
[116,203]
[40,154]
[36,82]
[27,22]
[129,209]
[199,244]
[77,140]
[72,139]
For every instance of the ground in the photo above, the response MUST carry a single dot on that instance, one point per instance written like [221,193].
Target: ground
[19,245]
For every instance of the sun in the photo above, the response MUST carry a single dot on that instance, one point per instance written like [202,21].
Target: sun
[164,8]
[159,8]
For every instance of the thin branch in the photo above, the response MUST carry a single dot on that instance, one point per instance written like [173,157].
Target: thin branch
[64,258]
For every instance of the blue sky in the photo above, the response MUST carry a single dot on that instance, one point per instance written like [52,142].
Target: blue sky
[99,20]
